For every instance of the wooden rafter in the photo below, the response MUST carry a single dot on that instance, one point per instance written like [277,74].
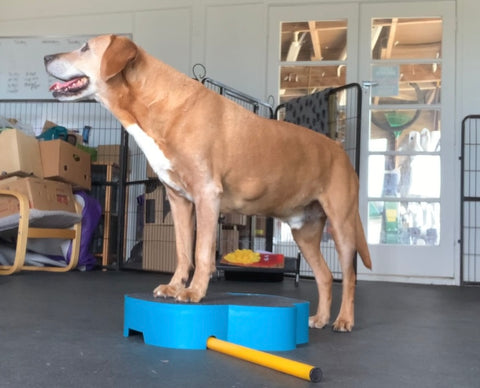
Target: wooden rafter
[317,49]
[391,39]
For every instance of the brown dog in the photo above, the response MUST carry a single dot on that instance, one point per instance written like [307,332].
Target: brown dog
[212,155]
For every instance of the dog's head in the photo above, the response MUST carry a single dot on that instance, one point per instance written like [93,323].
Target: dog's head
[85,72]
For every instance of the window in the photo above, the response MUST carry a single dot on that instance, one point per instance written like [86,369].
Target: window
[405,130]
[312,57]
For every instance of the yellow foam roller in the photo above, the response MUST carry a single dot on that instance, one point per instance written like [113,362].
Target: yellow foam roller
[243,256]
[281,364]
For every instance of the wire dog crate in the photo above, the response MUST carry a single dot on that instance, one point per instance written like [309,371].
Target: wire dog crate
[149,238]
[144,195]
[250,103]
[344,107]
[137,190]
[30,116]
[470,201]
[138,196]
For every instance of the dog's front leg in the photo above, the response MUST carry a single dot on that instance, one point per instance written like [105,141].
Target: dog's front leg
[207,212]
[183,217]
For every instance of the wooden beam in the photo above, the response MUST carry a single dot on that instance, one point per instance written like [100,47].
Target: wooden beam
[391,39]
[317,49]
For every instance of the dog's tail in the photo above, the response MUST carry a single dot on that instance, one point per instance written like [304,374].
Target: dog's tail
[362,246]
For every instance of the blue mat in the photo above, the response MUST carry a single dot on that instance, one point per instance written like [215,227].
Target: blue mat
[262,322]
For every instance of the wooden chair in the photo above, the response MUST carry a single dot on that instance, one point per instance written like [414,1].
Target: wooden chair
[69,228]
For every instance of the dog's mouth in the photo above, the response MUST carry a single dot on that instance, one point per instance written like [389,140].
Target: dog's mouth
[71,87]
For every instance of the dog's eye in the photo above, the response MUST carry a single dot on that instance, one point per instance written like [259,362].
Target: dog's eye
[85,48]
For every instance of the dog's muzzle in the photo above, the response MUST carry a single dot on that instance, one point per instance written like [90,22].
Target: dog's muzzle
[49,58]
[68,87]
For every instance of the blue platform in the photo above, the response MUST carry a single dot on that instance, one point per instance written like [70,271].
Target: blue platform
[262,322]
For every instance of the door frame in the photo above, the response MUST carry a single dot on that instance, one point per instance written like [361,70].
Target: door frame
[390,262]
[416,264]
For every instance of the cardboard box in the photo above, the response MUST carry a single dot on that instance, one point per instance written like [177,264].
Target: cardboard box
[157,207]
[19,154]
[42,195]
[234,219]
[108,154]
[47,125]
[229,241]
[65,162]
[159,251]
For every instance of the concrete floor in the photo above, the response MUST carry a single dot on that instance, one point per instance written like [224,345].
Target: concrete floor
[66,330]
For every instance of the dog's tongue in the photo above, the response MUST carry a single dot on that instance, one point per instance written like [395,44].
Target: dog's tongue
[60,85]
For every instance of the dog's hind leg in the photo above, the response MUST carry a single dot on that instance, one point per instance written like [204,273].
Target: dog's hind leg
[345,318]
[343,226]
[183,215]
[308,239]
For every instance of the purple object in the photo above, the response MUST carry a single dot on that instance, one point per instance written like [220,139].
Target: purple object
[91,213]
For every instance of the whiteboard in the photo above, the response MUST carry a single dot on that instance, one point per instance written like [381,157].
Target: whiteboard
[22,72]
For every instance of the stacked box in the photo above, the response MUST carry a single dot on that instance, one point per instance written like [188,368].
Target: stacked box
[108,154]
[159,251]
[231,219]
[21,170]
[19,154]
[42,194]
[64,162]
[230,235]
[157,207]
[229,241]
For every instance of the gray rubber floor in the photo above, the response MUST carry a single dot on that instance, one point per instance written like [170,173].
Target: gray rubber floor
[66,330]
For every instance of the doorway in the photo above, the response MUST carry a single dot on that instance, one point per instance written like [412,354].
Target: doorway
[407,70]
[405,55]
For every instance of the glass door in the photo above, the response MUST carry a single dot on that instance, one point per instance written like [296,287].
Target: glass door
[408,74]
[311,48]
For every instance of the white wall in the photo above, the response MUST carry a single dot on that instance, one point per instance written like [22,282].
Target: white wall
[229,36]
[468,60]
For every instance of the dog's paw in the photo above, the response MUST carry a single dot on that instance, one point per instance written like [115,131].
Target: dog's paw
[189,295]
[317,322]
[342,325]
[167,291]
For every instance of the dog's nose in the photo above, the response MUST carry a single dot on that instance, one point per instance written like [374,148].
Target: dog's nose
[49,58]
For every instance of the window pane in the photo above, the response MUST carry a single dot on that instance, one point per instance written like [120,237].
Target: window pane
[404,38]
[416,84]
[314,41]
[405,130]
[404,161]
[406,223]
[296,81]
[404,176]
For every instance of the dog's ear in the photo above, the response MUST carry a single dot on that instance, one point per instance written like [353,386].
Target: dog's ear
[116,57]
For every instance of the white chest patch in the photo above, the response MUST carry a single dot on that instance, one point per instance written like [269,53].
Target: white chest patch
[155,156]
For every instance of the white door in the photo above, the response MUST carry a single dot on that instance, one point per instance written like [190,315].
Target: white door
[311,48]
[406,60]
